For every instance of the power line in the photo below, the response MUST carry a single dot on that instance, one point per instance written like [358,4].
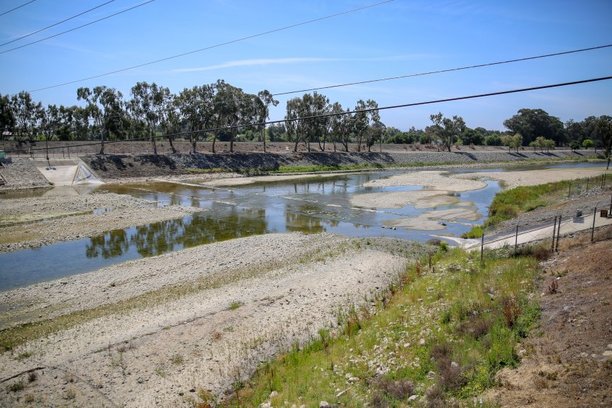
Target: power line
[441,71]
[18,7]
[405,105]
[56,24]
[261,34]
[77,28]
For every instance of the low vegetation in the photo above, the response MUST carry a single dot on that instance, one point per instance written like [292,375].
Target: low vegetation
[508,204]
[439,334]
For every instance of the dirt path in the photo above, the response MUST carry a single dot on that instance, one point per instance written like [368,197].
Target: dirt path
[216,312]
[568,362]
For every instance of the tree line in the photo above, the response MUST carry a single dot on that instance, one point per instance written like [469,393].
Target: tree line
[221,111]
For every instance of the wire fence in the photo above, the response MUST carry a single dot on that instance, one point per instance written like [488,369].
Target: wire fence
[587,220]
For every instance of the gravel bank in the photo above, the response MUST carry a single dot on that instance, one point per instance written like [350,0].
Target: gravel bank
[62,214]
[281,289]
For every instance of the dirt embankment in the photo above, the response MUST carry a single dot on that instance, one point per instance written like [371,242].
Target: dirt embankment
[567,362]
[159,331]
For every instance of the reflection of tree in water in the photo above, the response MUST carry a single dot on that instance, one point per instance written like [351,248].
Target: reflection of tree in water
[109,245]
[157,238]
[298,218]
[161,237]
[232,223]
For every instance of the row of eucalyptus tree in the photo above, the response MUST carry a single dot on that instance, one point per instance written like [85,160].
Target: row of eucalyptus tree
[312,118]
[217,111]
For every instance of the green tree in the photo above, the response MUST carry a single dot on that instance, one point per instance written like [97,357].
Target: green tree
[446,130]
[512,141]
[105,110]
[27,114]
[340,126]
[265,99]
[196,110]
[149,105]
[587,143]
[7,117]
[306,119]
[531,123]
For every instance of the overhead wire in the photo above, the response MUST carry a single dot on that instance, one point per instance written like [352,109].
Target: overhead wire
[388,107]
[56,24]
[441,71]
[183,54]
[78,28]
[406,105]
[17,8]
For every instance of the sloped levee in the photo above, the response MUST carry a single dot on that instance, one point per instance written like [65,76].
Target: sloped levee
[120,166]
[20,173]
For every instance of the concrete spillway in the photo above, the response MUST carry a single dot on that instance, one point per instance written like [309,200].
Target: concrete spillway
[67,172]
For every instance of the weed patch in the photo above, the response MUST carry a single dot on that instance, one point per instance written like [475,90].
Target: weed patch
[438,334]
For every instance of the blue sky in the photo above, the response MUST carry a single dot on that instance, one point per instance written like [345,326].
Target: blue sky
[396,38]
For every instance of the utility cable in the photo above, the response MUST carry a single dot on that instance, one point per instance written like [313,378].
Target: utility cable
[441,71]
[17,8]
[56,24]
[405,105]
[77,28]
[261,34]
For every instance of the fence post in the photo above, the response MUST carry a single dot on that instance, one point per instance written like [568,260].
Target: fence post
[593,228]
[482,250]
[558,235]
[552,248]
[516,239]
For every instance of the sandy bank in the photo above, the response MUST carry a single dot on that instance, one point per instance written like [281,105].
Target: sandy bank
[530,178]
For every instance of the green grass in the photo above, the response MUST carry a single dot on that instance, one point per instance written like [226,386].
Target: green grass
[510,203]
[443,332]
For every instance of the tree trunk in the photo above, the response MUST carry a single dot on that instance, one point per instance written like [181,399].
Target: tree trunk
[154,145]
[171,144]
[213,144]
[102,144]
[193,141]
[295,146]
[232,144]
[263,137]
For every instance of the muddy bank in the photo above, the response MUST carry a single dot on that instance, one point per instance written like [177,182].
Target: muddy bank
[199,320]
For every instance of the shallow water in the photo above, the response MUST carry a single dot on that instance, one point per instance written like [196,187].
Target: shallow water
[309,206]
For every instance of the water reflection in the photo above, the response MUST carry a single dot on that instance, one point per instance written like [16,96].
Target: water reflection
[167,236]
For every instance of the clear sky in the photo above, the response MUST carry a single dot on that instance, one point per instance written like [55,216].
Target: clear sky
[396,38]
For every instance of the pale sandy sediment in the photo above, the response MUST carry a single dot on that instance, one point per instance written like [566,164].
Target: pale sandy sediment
[281,289]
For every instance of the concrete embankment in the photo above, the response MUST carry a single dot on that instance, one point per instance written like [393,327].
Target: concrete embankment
[119,166]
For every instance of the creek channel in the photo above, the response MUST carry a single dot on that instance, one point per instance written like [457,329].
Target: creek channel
[311,205]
